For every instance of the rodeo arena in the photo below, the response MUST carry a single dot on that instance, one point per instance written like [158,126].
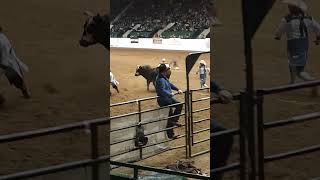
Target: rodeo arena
[233,71]
[143,36]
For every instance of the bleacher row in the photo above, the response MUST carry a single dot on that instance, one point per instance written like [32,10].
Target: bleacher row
[186,19]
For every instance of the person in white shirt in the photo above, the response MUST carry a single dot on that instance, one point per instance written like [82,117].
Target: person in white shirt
[114,83]
[202,71]
[174,64]
[11,66]
[297,25]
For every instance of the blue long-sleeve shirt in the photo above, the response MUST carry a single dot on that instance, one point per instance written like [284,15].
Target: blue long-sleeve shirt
[214,87]
[164,87]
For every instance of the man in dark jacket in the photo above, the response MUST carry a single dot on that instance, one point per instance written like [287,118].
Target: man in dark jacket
[164,91]
[221,145]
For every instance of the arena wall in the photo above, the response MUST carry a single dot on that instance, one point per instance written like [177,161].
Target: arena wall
[177,44]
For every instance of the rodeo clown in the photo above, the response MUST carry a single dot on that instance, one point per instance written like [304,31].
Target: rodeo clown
[296,25]
[12,67]
[221,145]
[202,71]
[114,83]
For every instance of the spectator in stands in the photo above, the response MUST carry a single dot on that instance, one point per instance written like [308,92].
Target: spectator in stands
[152,15]
[164,91]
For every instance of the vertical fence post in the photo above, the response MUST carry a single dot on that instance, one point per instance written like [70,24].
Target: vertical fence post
[252,139]
[249,88]
[191,118]
[260,136]
[187,112]
[139,109]
[243,138]
[186,127]
[189,123]
[186,123]
[94,150]
[135,173]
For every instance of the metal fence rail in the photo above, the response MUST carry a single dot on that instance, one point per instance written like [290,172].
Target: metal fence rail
[55,169]
[245,133]
[139,112]
[91,125]
[192,121]
[262,126]
[153,169]
[240,131]
[187,135]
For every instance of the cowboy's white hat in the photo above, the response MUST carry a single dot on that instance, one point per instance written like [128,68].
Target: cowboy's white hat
[298,3]
[202,62]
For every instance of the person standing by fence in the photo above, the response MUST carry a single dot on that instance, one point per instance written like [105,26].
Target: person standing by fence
[296,25]
[165,98]
[220,146]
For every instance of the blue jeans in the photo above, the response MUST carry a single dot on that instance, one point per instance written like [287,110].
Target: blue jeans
[202,80]
[220,148]
[174,120]
[298,51]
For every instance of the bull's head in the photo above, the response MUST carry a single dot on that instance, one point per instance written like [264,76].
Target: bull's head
[138,70]
[95,30]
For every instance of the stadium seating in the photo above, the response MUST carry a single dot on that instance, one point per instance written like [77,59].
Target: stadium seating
[189,18]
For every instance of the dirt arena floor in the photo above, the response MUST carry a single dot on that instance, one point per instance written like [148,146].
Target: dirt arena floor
[124,63]
[67,81]
[270,69]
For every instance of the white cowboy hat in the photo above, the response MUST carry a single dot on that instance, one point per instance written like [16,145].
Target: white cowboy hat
[203,62]
[298,3]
